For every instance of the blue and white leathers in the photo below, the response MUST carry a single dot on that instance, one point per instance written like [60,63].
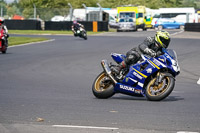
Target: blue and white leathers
[135,81]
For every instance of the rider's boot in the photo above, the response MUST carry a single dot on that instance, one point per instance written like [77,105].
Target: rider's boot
[119,67]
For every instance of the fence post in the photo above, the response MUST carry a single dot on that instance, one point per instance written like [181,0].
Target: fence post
[85,11]
[100,12]
[71,11]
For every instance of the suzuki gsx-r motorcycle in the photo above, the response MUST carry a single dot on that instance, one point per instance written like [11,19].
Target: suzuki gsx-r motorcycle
[153,78]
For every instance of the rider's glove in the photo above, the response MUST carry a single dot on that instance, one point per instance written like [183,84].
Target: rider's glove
[159,53]
[151,52]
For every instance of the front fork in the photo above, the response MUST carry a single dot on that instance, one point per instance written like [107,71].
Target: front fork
[160,76]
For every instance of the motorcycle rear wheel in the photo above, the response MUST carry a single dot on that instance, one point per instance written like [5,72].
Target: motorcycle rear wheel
[4,49]
[103,87]
[160,91]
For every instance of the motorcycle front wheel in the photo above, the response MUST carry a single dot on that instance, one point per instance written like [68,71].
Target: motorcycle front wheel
[85,35]
[160,91]
[103,87]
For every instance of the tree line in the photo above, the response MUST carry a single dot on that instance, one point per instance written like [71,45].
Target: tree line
[46,7]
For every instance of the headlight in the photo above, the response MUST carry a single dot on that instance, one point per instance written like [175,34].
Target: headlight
[176,68]
[174,63]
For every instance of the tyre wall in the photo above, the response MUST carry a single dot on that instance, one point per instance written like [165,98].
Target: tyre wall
[192,27]
[23,24]
[49,25]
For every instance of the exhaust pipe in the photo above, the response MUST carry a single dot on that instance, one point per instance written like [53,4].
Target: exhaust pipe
[107,70]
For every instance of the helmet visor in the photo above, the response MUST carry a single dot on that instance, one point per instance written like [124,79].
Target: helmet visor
[165,42]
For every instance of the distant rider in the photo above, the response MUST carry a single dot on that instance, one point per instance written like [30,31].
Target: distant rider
[5,31]
[151,46]
[75,27]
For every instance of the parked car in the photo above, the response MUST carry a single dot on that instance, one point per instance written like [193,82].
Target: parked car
[126,24]
[57,18]
[167,23]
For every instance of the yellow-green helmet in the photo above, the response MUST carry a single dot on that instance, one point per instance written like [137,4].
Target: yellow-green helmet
[162,38]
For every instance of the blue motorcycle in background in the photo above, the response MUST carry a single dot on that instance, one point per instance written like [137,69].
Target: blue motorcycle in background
[153,78]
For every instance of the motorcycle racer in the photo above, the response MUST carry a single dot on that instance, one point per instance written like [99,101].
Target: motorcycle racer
[151,46]
[75,27]
[6,35]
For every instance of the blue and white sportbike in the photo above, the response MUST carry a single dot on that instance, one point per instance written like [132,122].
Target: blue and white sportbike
[153,78]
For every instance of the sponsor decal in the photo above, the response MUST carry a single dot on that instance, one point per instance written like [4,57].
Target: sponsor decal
[126,79]
[140,73]
[126,88]
[161,59]
[133,80]
[137,75]
[156,62]
[149,70]
[137,91]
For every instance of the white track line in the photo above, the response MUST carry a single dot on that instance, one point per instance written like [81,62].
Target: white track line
[198,82]
[186,132]
[31,43]
[177,32]
[85,127]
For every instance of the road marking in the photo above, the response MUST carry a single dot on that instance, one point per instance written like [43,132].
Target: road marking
[186,132]
[178,92]
[86,127]
[31,43]
[177,32]
[198,82]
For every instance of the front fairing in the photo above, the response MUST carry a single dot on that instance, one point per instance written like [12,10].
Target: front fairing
[172,61]
[139,72]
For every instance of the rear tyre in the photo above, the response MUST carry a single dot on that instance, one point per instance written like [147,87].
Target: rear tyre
[160,91]
[103,87]
[4,49]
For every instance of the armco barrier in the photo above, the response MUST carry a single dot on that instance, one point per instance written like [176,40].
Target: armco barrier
[192,27]
[23,24]
[49,25]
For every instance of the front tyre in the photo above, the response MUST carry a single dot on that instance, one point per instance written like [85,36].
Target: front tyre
[85,35]
[103,87]
[160,91]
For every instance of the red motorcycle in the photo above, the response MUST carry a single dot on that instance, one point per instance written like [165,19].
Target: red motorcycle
[3,47]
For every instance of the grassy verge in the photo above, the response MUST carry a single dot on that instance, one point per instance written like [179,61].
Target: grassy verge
[31,32]
[22,40]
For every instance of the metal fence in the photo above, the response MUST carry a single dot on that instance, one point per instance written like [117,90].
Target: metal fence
[45,14]
[52,14]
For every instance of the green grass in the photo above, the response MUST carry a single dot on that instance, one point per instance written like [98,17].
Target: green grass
[22,40]
[31,32]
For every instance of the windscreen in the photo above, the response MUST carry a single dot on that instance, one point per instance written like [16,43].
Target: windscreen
[140,15]
[172,53]
[127,15]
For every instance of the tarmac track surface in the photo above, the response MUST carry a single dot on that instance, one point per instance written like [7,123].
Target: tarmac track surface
[53,81]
